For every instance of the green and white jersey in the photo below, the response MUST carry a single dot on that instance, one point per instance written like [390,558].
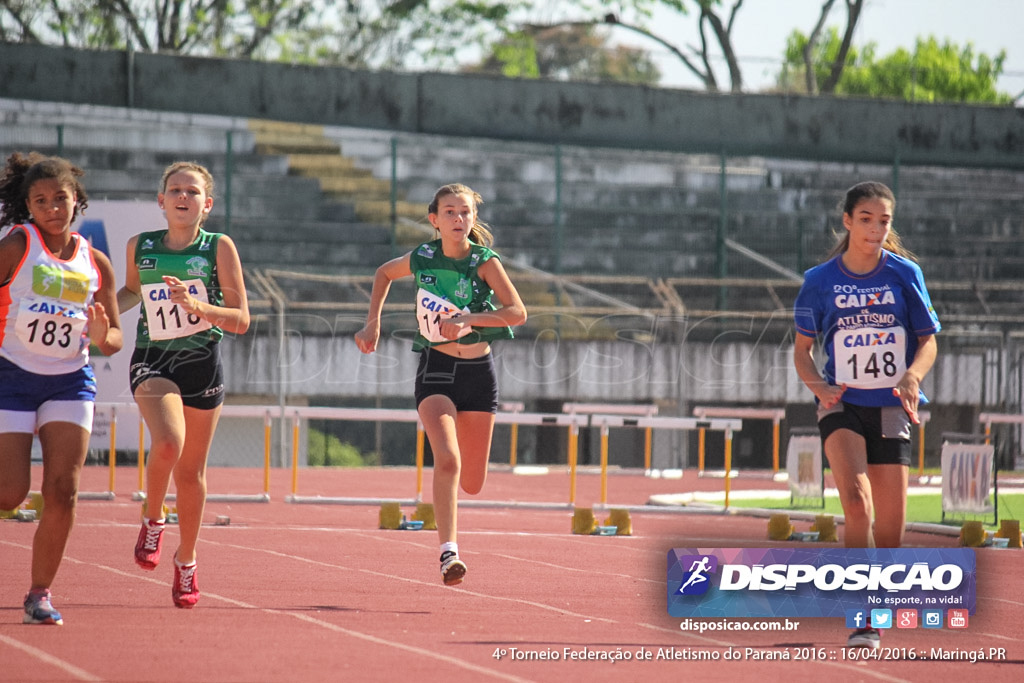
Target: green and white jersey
[447,287]
[163,323]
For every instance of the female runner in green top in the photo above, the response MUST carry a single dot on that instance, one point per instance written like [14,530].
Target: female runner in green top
[456,391]
[189,282]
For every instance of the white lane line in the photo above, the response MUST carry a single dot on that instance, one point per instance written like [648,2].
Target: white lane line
[431,585]
[47,658]
[85,676]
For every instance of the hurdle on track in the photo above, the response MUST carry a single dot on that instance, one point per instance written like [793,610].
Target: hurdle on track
[120,409]
[362,414]
[513,436]
[111,464]
[515,418]
[776,415]
[989,419]
[923,416]
[573,423]
[728,426]
[646,410]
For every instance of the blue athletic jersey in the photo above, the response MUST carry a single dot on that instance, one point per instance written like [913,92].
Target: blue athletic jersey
[868,324]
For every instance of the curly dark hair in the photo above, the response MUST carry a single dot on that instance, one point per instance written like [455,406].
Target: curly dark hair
[22,171]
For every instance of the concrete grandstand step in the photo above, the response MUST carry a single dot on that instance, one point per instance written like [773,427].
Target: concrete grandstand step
[292,254]
[282,137]
[293,145]
[355,186]
[312,232]
[379,210]
[272,127]
[653,263]
[323,164]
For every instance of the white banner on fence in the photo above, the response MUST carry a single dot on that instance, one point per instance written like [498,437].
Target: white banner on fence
[108,225]
[967,475]
[803,464]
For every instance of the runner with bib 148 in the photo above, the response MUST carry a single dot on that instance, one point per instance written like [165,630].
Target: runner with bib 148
[868,307]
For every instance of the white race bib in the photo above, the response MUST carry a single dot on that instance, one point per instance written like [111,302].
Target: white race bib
[168,320]
[870,358]
[49,328]
[431,310]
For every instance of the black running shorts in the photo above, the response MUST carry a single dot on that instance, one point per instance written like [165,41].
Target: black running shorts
[886,431]
[198,373]
[470,383]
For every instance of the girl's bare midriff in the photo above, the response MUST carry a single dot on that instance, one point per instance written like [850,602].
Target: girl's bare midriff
[477,350]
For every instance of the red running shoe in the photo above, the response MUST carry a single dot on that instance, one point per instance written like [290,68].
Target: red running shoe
[185,590]
[147,548]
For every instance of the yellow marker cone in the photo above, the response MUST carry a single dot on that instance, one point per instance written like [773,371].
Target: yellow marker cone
[1010,529]
[425,513]
[583,521]
[164,511]
[779,528]
[972,534]
[825,525]
[35,502]
[619,518]
[390,515]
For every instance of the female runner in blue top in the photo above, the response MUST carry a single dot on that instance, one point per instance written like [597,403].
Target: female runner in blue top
[456,391]
[869,309]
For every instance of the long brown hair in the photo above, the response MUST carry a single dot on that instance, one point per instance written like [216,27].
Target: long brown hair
[854,196]
[480,232]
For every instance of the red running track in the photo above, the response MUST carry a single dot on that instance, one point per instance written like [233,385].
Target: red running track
[316,592]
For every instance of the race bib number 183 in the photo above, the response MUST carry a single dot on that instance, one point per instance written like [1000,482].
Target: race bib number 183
[50,329]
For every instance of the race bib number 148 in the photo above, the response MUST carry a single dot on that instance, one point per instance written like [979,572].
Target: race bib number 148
[870,358]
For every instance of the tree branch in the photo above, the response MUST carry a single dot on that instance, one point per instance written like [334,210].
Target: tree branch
[810,73]
[26,31]
[123,9]
[853,8]
[725,42]
[706,77]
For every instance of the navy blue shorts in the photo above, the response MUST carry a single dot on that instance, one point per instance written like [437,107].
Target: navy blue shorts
[470,383]
[886,431]
[198,373]
[22,390]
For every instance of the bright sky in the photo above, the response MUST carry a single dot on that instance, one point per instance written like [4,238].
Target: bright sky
[761,28]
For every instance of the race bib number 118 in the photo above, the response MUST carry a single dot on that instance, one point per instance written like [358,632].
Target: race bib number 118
[168,320]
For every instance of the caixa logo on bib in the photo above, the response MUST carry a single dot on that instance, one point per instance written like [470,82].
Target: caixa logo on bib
[785,582]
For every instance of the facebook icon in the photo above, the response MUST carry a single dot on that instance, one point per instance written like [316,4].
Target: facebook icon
[856,618]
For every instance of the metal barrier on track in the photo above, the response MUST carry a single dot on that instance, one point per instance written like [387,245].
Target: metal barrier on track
[641,417]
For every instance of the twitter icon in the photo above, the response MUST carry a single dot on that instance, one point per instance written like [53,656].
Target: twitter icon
[881,618]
